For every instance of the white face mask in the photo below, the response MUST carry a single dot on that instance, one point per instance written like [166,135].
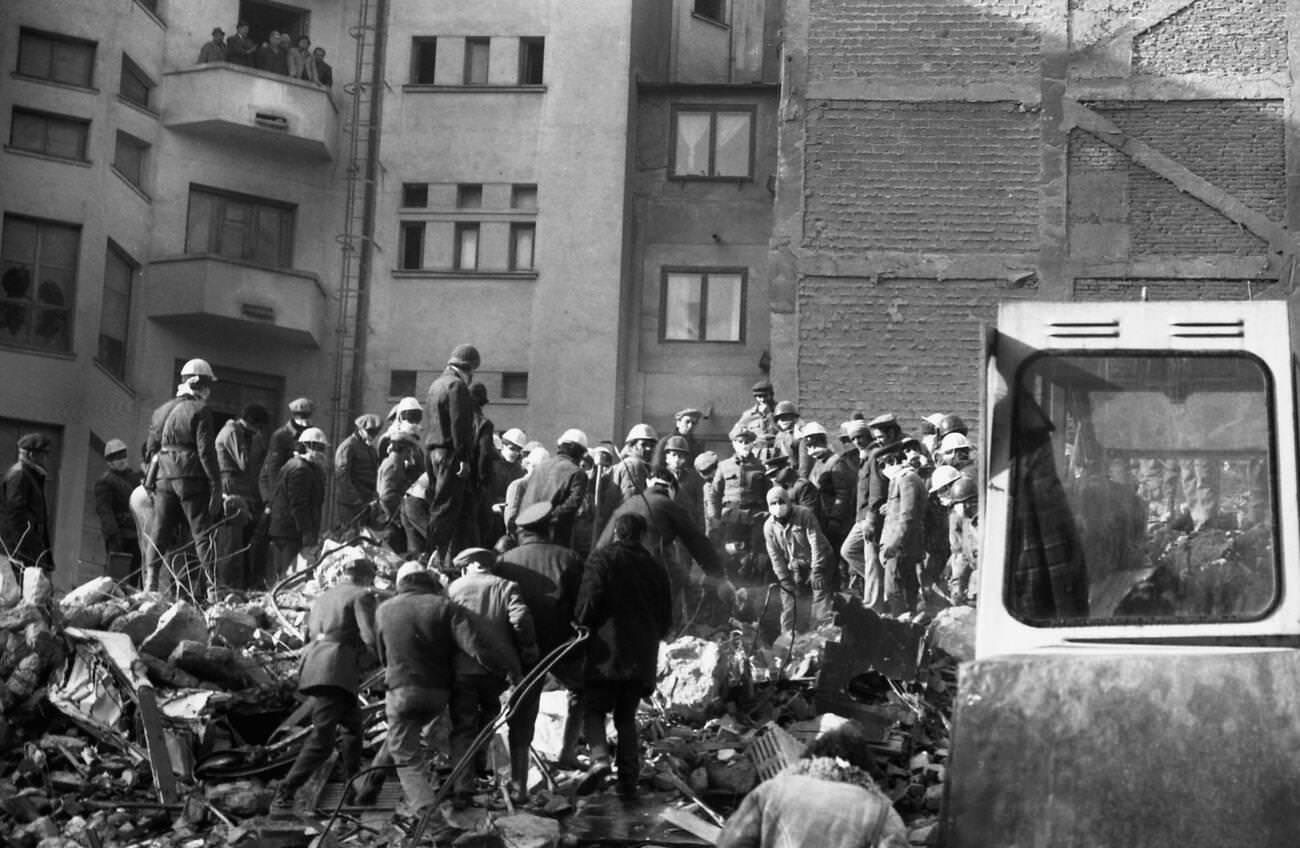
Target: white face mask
[779,510]
[891,471]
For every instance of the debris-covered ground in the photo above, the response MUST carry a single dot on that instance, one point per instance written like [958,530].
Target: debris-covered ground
[130,720]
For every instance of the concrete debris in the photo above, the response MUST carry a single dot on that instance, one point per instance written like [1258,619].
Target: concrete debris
[180,623]
[524,830]
[693,673]
[92,592]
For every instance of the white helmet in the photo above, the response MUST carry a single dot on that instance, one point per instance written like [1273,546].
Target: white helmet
[944,476]
[536,457]
[573,436]
[515,436]
[114,446]
[197,368]
[641,433]
[954,441]
[812,428]
[408,404]
[313,435]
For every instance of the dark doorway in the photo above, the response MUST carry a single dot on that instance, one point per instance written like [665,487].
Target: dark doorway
[263,16]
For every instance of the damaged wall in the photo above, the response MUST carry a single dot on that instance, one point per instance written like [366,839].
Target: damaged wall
[941,155]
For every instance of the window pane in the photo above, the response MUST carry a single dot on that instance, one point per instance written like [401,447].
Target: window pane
[412,245]
[723,314]
[115,313]
[199,231]
[521,247]
[732,158]
[467,246]
[73,63]
[134,85]
[232,234]
[682,307]
[531,51]
[59,248]
[27,132]
[237,228]
[1114,456]
[523,196]
[129,158]
[34,56]
[514,385]
[415,195]
[692,152]
[476,61]
[19,245]
[402,383]
[469,196]
[267,236]
[424,60]
[66,139]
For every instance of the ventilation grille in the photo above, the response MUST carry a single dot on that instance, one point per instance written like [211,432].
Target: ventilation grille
[271,121]
[257,312]
[1084,329]
[1208,329]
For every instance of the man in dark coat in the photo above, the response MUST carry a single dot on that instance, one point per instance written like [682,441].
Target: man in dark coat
[450,445]
[283,444]
[625,600]
[186,479]
[507,467]
[477,521]
[241,449]
[297,502]
[356,473]
[24,513]
[548,576]
[560,482]
[684,424]
[113,506]
[341,641]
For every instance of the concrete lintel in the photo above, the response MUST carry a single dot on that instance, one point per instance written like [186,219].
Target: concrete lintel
[1222,266]
[1182,87]
[1015,268]
[1022,90]
[1106,131]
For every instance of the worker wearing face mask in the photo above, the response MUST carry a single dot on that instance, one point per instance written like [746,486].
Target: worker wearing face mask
[297,502]
[800,556]
[113,506]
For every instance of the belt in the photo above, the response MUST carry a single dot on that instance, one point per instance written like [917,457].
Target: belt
[176,448]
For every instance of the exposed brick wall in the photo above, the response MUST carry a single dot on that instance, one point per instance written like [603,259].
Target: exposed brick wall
[921,176]
[1093,288]
[1241,37]
[922,40]
[908,346]
[1236,144]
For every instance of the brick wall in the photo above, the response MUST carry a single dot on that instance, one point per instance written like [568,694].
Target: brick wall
[1236,144]
[922,40]
[1094,288]
[1240,37]
[921,176]
[908,346]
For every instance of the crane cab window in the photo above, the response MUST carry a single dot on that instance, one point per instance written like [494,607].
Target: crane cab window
[1141,490]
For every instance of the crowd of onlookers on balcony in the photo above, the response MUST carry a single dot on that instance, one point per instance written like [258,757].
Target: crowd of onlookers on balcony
[277,54]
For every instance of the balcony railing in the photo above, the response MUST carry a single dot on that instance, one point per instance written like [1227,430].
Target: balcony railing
[239,105]
[247,301]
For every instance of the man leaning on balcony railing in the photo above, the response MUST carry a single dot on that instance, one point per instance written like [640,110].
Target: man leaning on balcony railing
[240,49]
[214,50]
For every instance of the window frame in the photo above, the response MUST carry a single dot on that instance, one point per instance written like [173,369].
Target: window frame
[516,229]
[418,42]
[509,377]
[286,258]
[712,110]
[525,43]
[702,320]
[131,68]
[83,124]
[31,302]
[720,18]
[459,230]
[54,38]
[469,195]
[142,147]
[477,41]
[394,388]
[133,267]
[404,246]
[409,190]
[523,190]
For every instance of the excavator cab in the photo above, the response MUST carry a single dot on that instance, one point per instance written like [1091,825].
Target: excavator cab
[1137,678]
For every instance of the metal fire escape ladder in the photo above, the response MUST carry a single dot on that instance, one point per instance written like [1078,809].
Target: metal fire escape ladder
[357,241]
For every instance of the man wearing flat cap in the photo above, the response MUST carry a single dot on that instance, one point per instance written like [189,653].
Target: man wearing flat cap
[737,495]
[449,442]
[356,473]
[761,416]
[283,444]
[24,512]
[341,643]
[214,50]
[684,423]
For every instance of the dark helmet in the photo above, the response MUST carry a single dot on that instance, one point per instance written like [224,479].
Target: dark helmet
[964,489]
[951,424]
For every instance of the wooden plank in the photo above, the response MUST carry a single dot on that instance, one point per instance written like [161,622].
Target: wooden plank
[692,824]
[315,784]
[156,743]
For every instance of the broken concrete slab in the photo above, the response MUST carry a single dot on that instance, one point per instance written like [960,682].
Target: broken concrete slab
[953,632]
[92,592]
[692,676]
[525,830]
[140,622]
[181,622]
[232,626]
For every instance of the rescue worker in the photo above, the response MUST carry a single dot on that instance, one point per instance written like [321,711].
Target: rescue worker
[241,450]
[497,611]
[955,450]
[507,467]
[959,496]
[297,503]
[515,492]
[603,496]
[950,424]
[689,491]
[477,521]
[684,423]
[706,465]
[930,433]
[548,576]
[789,440]
[113,506]
[449,441]
[283,444]
[561,482]
[406,415]
[836,485]
[340,631]
[902,538]
[393,483]
[759,418]
[861,547]
[24,514]
[802,492]
[631,470]
[800,556]
[186,478]
[737,496]
[356,474]
[625,600]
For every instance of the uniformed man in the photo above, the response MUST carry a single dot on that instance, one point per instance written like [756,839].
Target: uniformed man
[760,417]
[340,645]
[561,482]
[186,478]
[297,502]
[684,423]
[113,506]
[781,473]
[738,489]
[689,491]
[631,470]
[789,437]
[449,441]
[902,538]
[24,513]
[836,484]
[241,450]
[283,444]
[356,474]
[507,467]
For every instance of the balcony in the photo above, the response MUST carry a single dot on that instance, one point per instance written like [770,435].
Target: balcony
[247,302]
[231,104]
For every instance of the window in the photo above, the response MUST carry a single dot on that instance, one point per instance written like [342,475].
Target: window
[266,15]
[424,58]
[703,306]
[476,61]
[714,10]
[713,142]
[522,237]
[115,313]
[469,196]
[135,85]
[129,158]
[402,383]
[239,226]
[466,252]
[514,385]
[57,58]
[49,134]
[38,283]
[412,247]
[1113,454]
[415,195]
[531,53]
[523,196]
